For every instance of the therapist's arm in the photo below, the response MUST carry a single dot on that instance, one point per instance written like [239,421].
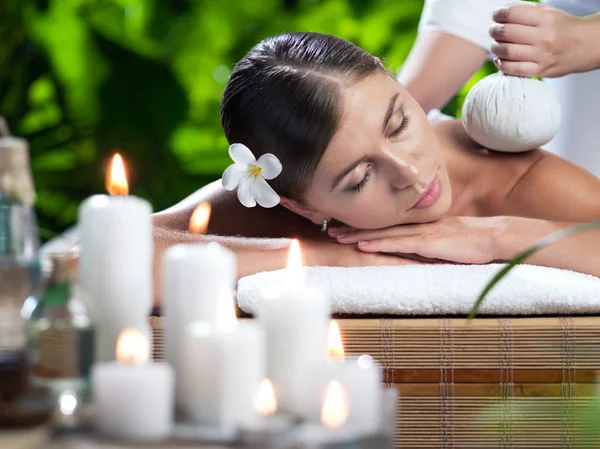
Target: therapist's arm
[438,65]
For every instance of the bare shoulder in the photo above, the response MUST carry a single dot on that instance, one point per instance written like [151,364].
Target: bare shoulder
[495,174]
[230,218]
[534,184]
[557,189]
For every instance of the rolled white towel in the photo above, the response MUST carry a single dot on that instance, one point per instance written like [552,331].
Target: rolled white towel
[441,290]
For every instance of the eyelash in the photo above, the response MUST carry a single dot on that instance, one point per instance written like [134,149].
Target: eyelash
[361,185]
[402,127]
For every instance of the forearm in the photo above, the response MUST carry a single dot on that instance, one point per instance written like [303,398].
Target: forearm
[591,37]
[253,255]
[438,65]
[577,253]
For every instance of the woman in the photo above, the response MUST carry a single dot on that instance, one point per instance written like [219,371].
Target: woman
[356,148]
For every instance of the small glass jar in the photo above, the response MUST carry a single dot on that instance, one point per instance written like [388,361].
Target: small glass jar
[61,335]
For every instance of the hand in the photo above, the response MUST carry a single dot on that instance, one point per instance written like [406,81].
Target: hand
[533,39]
[469,240]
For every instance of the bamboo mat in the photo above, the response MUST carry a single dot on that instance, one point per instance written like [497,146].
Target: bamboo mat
[490,382]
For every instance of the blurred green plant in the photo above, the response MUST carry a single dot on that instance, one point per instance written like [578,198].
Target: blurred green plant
[81,79]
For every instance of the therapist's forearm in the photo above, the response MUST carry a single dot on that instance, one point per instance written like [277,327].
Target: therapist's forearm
[438,65]
[591,32]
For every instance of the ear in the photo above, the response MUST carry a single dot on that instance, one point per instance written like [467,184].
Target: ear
[379,61]
[303,210]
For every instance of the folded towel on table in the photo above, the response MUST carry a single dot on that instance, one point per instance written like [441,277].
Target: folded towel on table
[440,290]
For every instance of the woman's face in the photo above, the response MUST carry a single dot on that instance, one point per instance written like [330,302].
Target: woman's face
[384,166]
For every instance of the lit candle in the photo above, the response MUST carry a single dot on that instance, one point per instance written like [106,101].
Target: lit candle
[361,379]
[115,268]
[333,427]
[295,318]
[133,399]
[221,367]
[200,218]
[269,426]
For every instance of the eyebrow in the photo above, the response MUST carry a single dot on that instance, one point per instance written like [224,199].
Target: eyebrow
[353,165]
[390,111]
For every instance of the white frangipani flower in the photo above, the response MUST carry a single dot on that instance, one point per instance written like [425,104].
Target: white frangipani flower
[250,175]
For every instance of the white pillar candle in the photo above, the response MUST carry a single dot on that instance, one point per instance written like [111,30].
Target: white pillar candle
[115,267]
[194,275]
[222,366]
[133,399]
[295,318]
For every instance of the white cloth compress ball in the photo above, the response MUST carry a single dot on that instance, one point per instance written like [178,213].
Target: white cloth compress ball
[510,113]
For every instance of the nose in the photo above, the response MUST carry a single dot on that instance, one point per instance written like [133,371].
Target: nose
[403,168]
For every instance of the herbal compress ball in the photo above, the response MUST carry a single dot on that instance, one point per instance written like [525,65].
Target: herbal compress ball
[510,113]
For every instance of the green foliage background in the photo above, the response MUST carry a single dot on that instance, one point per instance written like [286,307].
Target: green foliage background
[81,79]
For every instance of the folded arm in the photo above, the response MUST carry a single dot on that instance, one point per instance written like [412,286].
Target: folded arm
[259,237]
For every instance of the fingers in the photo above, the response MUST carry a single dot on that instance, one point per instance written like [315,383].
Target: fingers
[525,13]
[395,231]
[518,68]
[515,33]
[408,245]
[336,230]
[514,52]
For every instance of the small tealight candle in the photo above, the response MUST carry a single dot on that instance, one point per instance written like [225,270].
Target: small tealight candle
[269,426]
[221,366]
[133,399]
[333,427]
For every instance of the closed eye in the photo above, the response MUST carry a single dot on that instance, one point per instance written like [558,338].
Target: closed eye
[361,185]
[403,126]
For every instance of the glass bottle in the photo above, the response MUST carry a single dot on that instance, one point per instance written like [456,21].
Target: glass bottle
[19,261]
[63,336]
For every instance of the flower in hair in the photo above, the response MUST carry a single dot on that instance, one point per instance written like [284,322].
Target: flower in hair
[250,175]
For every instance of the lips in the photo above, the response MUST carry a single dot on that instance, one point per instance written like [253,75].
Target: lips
[430,197]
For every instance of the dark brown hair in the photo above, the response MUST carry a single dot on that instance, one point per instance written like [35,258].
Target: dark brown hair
[283,98]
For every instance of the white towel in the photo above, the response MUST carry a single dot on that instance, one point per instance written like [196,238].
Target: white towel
[441,290]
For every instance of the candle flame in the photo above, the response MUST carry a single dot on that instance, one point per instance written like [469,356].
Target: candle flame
[294,256]
[117,178]
[226,318]
[200,218]
[295,269]
[264,400]
[335,407]
[335,347]
[132,347]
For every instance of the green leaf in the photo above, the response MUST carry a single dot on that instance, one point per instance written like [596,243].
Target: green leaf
[542,243]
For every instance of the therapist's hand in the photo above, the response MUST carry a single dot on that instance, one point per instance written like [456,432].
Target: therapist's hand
[533,39]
